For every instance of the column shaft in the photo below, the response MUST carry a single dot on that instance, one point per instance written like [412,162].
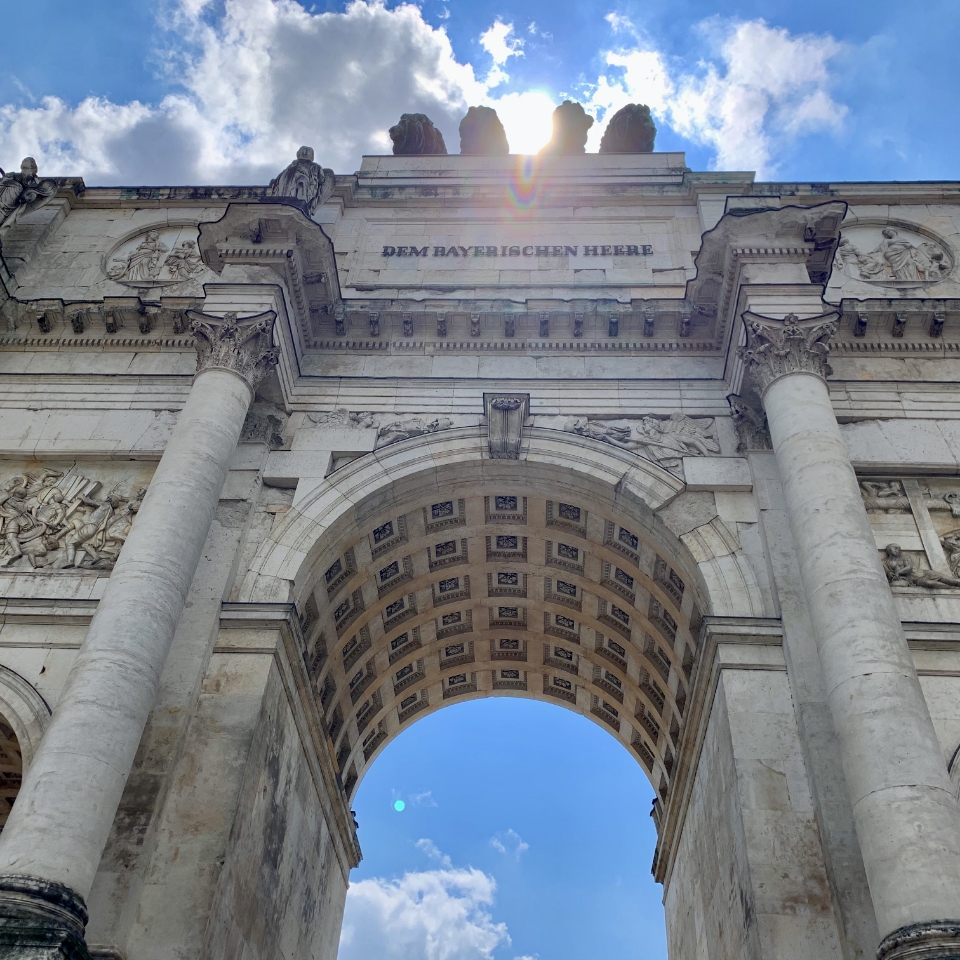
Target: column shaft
[63,814]
[907,820]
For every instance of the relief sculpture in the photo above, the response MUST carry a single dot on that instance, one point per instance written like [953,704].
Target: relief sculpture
[664,442]
[158,257]
[410,427]
[901,569]
[894,258]
[61,520]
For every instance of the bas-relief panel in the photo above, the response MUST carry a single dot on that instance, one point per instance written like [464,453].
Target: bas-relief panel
[67,517]
[158,259]
[916,524]
[891,258]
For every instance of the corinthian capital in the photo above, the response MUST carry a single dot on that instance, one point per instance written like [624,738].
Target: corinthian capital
[777,348]
[243,345]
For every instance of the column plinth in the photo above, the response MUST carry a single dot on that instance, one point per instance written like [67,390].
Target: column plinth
[906,817]
[58,828]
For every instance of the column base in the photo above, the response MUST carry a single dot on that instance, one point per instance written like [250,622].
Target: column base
[933,940]
[41,920]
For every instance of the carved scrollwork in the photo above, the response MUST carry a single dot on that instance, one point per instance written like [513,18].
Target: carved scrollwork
[778,348]
[243,345]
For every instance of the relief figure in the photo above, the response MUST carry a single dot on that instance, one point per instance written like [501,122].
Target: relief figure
[901,569]
[54,520]
[144,263]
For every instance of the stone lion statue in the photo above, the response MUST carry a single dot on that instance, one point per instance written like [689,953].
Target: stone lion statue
[416,134]
[630,130]
[481,132]
[570,125]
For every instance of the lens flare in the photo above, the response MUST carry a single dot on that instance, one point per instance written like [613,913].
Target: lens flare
[523,190]
[399,806]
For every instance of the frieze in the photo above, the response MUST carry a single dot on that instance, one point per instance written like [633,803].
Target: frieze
[664,441]
[64,519]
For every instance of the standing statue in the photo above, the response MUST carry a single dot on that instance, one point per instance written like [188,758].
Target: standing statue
[630,130]
[481,132]
[416,134]
[23,191]
[570,125]
[304,180]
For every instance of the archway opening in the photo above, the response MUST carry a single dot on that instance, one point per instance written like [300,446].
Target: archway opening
[504,828]
[11,770]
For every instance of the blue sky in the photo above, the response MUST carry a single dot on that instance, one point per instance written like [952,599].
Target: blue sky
[548,811]
[187,91]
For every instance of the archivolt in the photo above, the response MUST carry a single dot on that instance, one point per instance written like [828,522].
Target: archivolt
[427,573]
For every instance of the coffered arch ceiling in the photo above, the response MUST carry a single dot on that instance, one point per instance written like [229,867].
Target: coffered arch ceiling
[427,574]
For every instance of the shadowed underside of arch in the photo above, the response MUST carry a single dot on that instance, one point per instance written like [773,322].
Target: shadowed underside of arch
[427,574]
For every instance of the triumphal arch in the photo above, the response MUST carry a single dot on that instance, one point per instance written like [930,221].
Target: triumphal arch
[285,468]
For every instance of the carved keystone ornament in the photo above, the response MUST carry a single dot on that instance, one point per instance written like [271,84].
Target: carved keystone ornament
[244,346]
[777,348]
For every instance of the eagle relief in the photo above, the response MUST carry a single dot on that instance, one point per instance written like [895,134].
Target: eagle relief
[63,520]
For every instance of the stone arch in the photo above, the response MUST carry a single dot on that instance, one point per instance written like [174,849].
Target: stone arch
[427,573]
[25,710]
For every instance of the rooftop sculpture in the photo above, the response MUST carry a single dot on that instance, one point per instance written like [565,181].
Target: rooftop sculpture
[630,130]
[570,126]
[481,132]
[416,134]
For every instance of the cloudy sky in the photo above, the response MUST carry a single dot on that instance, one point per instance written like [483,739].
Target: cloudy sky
[201,91]
[525,835]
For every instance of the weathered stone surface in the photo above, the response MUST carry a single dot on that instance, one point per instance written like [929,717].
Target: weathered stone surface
[382,531]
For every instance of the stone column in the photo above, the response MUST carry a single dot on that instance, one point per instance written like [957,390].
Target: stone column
[52,843]
[907,819]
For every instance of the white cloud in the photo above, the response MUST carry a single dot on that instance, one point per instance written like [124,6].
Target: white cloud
[767,88]
[501,43]
[509,843]
[255,84]
[262,77]
[434,915]
[424,799]
[434,852]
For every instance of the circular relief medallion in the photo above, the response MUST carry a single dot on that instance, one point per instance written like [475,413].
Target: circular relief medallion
[157,257]
[892,256]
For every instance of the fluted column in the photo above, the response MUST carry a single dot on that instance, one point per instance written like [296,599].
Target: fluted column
[907,819]
[51,845]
